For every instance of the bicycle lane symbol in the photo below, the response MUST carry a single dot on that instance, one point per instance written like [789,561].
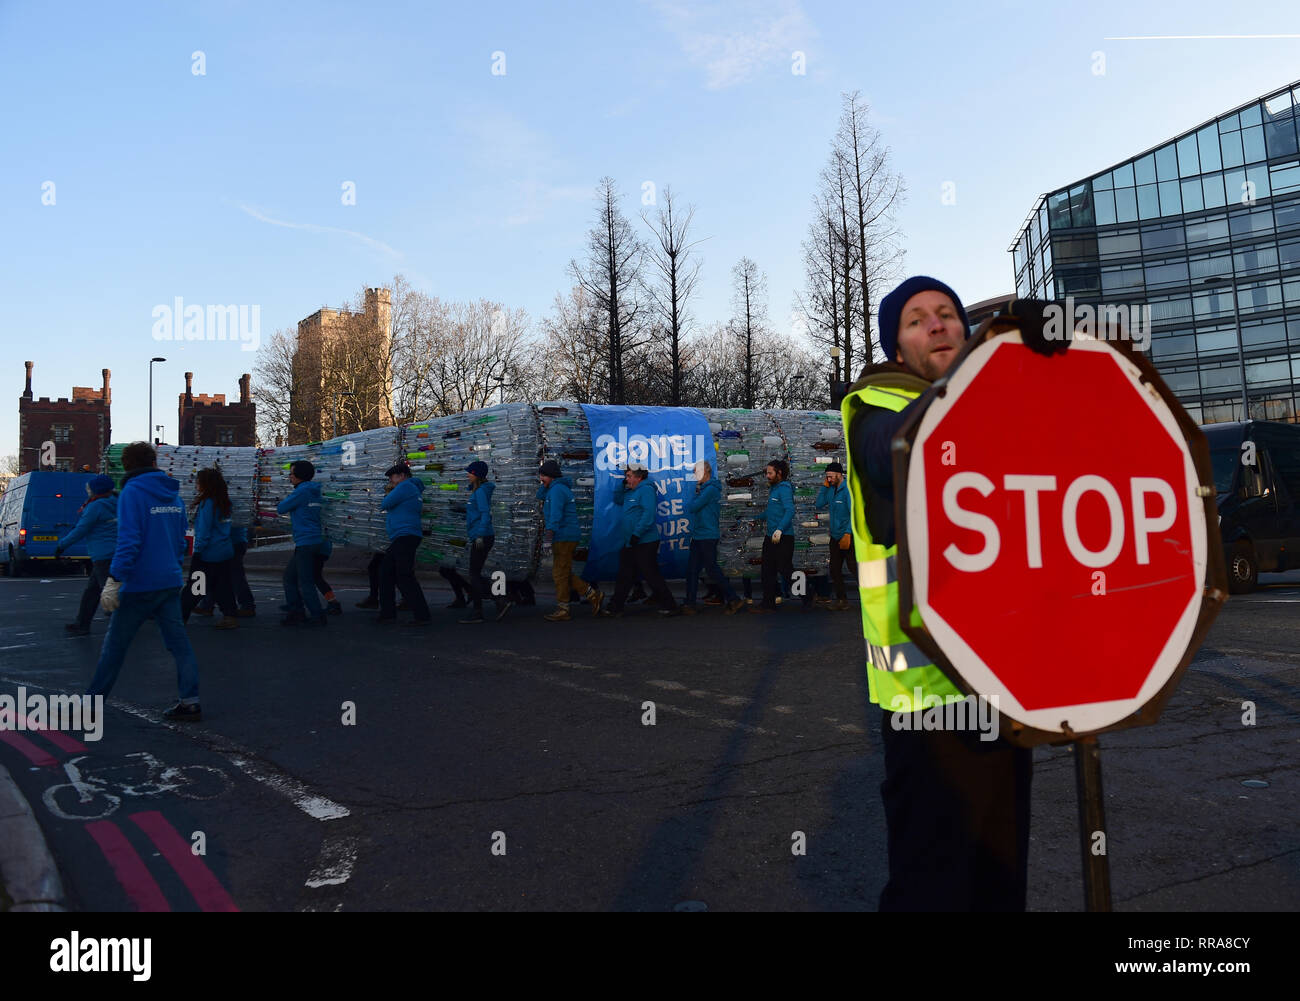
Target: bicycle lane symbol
[95,789]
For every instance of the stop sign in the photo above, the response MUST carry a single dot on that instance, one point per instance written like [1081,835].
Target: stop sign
[1056,534]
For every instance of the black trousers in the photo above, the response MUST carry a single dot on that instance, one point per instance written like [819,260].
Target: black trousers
[640,558]
[216,583]
[840,558]
[372,571]
[90,596]
[477,556]
[397,572]
[778,558]
[957,813]
[318,574]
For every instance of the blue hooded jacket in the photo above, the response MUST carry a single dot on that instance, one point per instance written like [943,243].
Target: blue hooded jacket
[478,512]
[150,533]
[705,508]
[638,520]
[403,505]
[780,509]
[98,526]
[303,505]
[212,534]
[559,512]
[839,501]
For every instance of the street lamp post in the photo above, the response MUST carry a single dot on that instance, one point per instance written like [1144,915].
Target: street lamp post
[151,361]
[501,389]
[835,370]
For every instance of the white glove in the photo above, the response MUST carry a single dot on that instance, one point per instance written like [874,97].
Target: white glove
[776,536]
[108,597]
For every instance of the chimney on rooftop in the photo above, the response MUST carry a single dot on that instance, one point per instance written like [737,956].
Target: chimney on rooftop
[189,389]
[27,393]
[107,397]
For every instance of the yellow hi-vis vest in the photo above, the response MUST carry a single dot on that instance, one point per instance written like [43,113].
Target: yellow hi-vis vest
[896,667]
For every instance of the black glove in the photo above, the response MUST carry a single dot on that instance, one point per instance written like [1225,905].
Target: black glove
[1028,315]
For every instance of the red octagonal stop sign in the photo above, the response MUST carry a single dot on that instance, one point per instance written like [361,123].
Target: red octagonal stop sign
[1056,538]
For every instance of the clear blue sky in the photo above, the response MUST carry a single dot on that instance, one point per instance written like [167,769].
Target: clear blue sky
[225,188]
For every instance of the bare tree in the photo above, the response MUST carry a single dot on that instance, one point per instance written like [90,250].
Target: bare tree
[572,363]
[479,348]
[277,388]
[679,275]
[612,278]
[876,193]
[749,315]
[819,303]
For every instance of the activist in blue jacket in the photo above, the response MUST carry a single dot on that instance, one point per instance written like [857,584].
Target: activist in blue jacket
[98,526]
[704,508]
[478,512]
[637,521]
[640,552]
[397,566]
[834,496]
[214,553]
[560,518]
[212,533]
[478,530]
[151,529]
[303,505]
[778,546]
[145,577]
[559,511]
[403,504]
[98,522]
[780,504]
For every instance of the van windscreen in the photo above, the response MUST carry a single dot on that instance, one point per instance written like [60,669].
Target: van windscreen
[1224,462]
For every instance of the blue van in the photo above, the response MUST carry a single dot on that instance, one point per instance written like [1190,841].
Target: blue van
[1257,483]
[37,510]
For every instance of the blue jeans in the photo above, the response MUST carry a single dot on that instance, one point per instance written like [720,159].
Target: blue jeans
[138,607]
[300,581]
[704,556]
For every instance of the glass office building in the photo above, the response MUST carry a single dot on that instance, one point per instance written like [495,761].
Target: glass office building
[1205,229]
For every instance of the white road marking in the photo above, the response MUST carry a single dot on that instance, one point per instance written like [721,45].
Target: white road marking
[335,862]
[315,806]
[20,646]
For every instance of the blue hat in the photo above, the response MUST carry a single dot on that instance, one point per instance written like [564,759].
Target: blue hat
[891,309]
[478,468]
[102,485]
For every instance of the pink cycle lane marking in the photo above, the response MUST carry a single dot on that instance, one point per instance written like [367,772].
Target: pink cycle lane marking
[128,867]
[207,890]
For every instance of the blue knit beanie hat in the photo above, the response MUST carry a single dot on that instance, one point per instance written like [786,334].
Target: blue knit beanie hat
[102,485]
[478,468]
[891,309]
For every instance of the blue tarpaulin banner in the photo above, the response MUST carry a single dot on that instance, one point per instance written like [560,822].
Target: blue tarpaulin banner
[667,441]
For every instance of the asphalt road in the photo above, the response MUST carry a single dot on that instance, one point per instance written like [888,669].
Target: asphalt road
[528,736]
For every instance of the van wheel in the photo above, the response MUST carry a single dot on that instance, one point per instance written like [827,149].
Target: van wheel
[1243,570]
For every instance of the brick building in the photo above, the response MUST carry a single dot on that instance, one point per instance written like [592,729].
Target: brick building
[210,420]
[338,367]
[80,428]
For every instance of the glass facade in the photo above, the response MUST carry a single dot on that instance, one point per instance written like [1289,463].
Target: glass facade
[1205,230]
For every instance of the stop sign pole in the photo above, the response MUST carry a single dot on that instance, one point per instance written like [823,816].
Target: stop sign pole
[1056,547]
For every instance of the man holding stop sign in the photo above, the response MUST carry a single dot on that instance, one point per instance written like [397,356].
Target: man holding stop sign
[956,805]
